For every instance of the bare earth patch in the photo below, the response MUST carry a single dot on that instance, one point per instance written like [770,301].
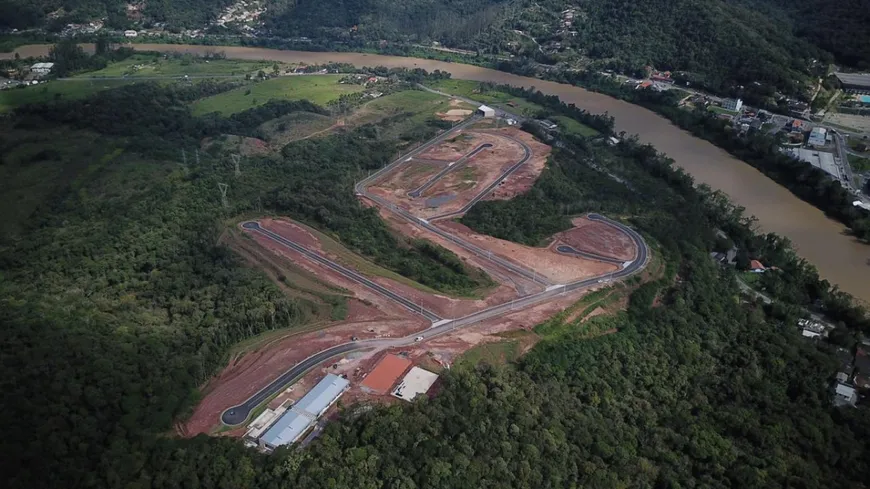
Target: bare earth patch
[597,237]
[557,267]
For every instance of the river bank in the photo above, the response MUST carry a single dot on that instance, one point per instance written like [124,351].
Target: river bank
[838,257]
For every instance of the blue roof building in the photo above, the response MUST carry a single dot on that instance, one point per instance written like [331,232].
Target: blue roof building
[302,415]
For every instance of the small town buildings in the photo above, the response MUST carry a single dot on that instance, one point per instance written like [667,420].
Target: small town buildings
[732,104]
[130,33]
[41,69]
[757,267]
[845,395]
[797,125]
[818,137]
[486,111]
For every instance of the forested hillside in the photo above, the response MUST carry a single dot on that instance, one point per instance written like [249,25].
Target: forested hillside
[55,14]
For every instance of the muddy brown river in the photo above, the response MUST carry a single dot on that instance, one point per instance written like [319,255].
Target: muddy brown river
[839,258]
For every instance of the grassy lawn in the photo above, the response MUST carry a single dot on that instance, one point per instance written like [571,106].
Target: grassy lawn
[497,353]
[858,163]
[319,89]
[144,65]
[569,125]
[720,110]
[473,90]
[46,92]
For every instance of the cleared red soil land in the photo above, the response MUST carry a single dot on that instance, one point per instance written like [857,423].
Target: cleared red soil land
[597,237]
[557,267]
[525,177]
[461,185]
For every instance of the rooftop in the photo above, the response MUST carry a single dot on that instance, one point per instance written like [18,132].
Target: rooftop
[418,381]
[862,79]
[386,373]
[302,415]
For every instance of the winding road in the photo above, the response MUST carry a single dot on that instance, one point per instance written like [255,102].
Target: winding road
[237,415]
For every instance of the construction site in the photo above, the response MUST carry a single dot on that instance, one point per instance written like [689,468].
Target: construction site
[397,335]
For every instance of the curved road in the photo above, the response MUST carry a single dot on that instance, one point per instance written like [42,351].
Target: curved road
[237,415]
[570,250]
[361,188]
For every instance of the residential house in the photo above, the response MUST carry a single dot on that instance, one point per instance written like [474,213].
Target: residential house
[757,267]
[130,33]
[845,395]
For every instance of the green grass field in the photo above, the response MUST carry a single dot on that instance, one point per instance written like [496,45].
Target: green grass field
[472,90]
[144,65]
[720,110]
[569,125]
[53,90]
[319,89]
[498,353]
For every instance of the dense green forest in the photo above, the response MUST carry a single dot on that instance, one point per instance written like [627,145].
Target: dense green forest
[713,44]
[117,302]
[56,14]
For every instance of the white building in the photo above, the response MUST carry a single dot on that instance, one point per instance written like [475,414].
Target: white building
[130,33]
[41,69]
[416,382]
[817,137]
[845,395]
[486,111]
[732,104]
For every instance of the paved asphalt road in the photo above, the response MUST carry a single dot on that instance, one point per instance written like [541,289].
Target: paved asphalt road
[361,188]
[453,166]
[237,415]
[527,153]
[585,254]
[351,274]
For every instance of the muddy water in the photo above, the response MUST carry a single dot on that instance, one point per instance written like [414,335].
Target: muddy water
[820,240]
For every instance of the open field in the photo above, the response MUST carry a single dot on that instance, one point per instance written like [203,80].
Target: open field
[54,90]
[295,126]
[720,110]
[849,122]
[474,91]
[144,65]
[571,126]
[319,89]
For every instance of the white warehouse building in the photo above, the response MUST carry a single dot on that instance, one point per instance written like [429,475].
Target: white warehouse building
[301,416]
[486,111]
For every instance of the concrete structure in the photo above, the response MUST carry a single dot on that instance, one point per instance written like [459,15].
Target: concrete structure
[302,415]
[818,137]
[130,33]
[262,422]
[845,395]
[41,69]
[385,374]
[418,381]
[819,159]
[854,82]
[486,111]
[732,104]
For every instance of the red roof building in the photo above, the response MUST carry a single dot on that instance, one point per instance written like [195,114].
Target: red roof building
[386,373]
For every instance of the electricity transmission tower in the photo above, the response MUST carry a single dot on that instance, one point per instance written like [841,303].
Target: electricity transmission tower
[236,160]
[223,188]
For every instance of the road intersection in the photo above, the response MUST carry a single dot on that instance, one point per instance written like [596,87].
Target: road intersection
[237,415]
